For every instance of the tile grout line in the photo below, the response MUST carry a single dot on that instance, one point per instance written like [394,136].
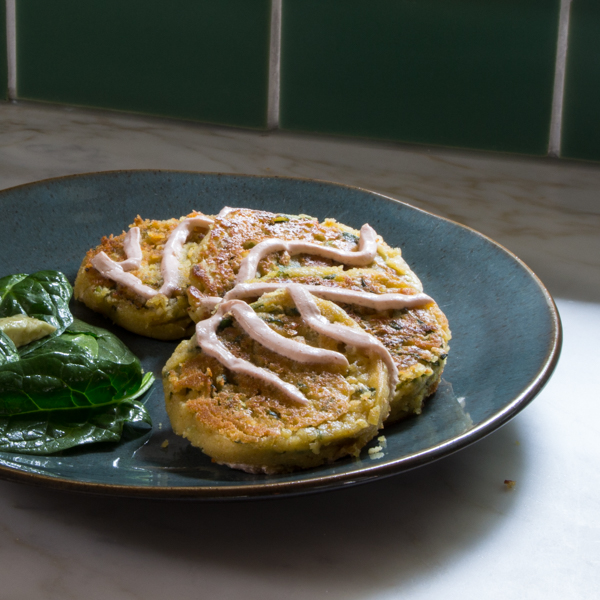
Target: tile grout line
[11,48]
[274,66]
[558,94]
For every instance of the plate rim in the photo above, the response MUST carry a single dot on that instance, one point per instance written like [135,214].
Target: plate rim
[321,483]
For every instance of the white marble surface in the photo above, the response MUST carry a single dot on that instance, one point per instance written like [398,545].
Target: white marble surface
[447,530]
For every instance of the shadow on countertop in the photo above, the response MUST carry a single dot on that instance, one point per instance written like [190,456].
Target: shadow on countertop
[348,544]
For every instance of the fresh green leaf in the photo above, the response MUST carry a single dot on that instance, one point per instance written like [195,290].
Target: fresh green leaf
[8,350]
[72,371]
[43,295]
[51,432]
[73,388]
[147,382]
[110,347]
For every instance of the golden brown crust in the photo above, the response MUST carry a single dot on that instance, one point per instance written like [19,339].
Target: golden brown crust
[418,341]
[241,420]
[160,317]
[417,338]
[238,231]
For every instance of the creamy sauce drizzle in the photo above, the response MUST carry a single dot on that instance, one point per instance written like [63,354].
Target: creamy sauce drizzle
[112,270]
[367,249]
[258,330]
[207,339]
[351,337]
[117,270]
[224,211]
[366,299]
[169,266]
[133,250]
[206,331]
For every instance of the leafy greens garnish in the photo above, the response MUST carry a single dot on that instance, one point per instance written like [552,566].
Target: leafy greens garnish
[8,351]
[76,386]
[43,295]
[46,432]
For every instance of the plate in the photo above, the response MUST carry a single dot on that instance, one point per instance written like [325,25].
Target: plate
[506,329]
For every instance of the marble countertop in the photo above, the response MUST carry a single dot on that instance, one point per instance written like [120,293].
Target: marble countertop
[451,529]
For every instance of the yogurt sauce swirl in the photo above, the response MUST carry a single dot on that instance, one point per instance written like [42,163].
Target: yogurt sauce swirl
[301,294]
[231,303]
[169,266]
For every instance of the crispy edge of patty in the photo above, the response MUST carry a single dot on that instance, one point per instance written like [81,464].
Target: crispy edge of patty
[425,336]
[294,441]
[238,231]
[411,394]
[418,340]
[160,317]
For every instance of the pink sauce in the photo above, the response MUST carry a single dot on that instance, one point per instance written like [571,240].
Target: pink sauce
[301,294]
[366,299]
[133,250]
[351,337]
[169,266]
[367,249]
[206,337]
[258,330]
[113,270]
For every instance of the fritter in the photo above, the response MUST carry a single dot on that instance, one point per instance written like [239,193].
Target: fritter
[163,315]
[339,339]
[236,231]
[248,423]
[417,338]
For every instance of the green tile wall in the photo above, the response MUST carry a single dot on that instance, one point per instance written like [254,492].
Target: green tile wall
[465,73]
[581,109]
[193,59]
[469,73]
[3,61]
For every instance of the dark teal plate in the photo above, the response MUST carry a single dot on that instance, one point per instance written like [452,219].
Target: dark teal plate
[506,330]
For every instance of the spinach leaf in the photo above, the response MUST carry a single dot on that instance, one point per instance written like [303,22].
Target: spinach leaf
[71,388]
[8,351]
[52,432]
[74,370]
[110,347]
[44,295]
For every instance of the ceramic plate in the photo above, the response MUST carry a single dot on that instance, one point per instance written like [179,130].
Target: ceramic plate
[506,330]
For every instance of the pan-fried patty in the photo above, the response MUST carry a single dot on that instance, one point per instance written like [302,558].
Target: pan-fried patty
[246,423]
[236,231]
[416,337]
[161,316]
[279,410]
